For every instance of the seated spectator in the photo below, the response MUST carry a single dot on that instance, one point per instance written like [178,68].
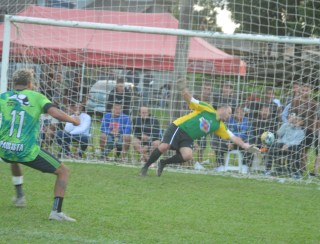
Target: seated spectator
[146,130]
[290,137]
[115,132]
[240,126]
[72,133]
[261,123]
[48,126]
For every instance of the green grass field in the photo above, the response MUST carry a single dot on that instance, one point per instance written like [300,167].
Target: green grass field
[114,205]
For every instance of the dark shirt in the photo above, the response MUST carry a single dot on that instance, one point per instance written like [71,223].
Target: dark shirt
[120,98]
[219,100]
[149,126]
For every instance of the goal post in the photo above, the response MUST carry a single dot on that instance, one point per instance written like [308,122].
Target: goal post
[269,62]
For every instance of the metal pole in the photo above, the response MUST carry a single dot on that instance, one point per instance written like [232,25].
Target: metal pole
[5,55]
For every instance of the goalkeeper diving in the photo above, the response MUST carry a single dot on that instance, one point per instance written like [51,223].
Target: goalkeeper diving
[180,134]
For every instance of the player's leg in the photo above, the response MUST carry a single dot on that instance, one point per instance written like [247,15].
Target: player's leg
[183,154]
[47,163]
[170,136]
[17,178]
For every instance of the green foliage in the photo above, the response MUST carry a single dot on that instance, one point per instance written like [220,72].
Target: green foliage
[114,205]
[281,17]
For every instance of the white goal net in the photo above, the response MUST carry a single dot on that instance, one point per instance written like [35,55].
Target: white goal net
[268,73]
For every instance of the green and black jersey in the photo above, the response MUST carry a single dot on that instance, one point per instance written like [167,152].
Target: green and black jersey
[20,124]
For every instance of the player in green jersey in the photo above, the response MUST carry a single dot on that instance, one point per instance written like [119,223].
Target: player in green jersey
[20,111]
[203,120]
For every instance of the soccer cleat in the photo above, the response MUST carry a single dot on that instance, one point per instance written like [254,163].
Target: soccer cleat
[144,171]
[160,168]
[54,215]
[19,202]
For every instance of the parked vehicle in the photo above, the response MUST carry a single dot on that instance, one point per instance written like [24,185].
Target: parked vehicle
[99,93]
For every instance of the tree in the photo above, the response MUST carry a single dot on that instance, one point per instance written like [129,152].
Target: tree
[278,17]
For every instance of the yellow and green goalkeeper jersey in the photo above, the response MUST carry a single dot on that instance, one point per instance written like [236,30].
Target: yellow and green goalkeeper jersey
[20,124]
[202,121]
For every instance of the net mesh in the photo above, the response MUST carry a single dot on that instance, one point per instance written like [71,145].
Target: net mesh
[267,83]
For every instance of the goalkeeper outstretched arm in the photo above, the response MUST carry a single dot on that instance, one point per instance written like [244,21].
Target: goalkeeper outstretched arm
[248,147]
[182,86]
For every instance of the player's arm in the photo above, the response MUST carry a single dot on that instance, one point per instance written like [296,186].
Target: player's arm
[182,86]
[237,140]
[62,116]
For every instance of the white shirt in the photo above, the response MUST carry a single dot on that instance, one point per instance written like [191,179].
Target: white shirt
[82,129]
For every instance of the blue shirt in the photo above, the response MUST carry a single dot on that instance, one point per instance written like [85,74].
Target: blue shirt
[241,129]
[122,123]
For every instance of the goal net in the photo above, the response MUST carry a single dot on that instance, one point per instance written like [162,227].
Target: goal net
[270,80]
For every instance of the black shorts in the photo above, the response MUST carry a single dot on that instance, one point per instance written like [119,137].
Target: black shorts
[44,162]
[177,138]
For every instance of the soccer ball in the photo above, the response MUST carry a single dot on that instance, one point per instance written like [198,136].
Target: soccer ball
[267,138]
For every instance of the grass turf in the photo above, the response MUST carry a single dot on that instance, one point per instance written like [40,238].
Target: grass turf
[114,205]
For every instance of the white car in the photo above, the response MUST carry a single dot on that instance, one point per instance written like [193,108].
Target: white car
[99,93]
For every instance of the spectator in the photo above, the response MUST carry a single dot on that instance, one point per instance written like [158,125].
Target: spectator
[295,92]
[115,132]
[165,92]
[225,96]
[263,122]
[76,91]
[290,140]
[274,103]
[72,133]
[133,76]
[147,88]
[240,126]
[304,106]
[296,87]
[48,126]
[146,131]
[252,105]
[120,95]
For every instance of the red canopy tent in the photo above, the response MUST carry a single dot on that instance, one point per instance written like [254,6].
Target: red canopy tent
[112,48]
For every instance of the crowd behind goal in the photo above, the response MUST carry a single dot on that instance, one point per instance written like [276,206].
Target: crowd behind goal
[137,129]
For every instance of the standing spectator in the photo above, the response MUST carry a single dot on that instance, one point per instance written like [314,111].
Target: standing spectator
[165,93]
[304,106]
[120,95]
[72,133]
[226,96]
[296,85]
[21,108]
[147,88]
[274,103]
[146,131]
[115,132]
[240,126]
[133,76]
[289,144]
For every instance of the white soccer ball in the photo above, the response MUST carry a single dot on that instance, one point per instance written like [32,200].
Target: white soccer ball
[267,138]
